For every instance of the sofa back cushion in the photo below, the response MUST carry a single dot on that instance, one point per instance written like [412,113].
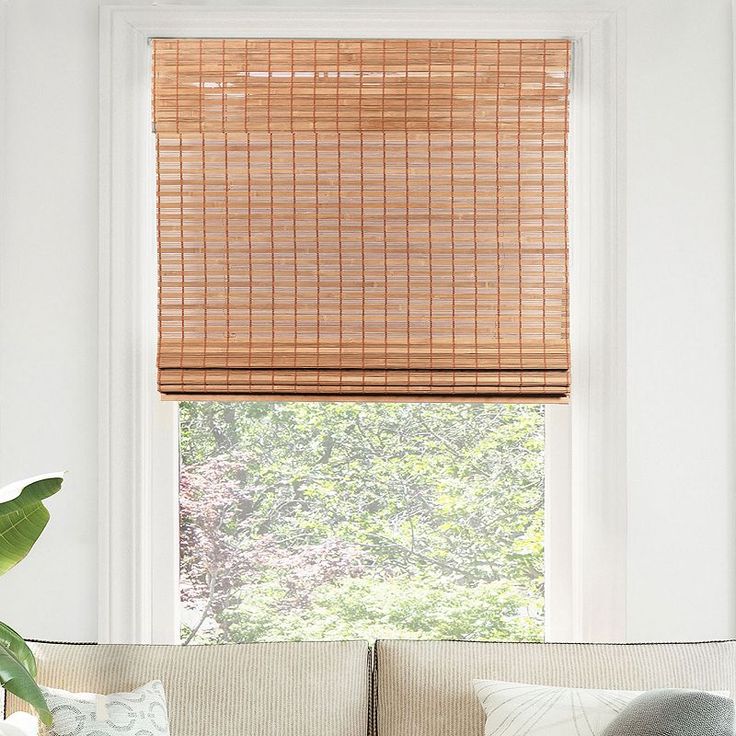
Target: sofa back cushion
[264,689]
[425,688]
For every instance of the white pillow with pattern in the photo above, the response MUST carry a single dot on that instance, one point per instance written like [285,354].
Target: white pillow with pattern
[516,709]
[142,712]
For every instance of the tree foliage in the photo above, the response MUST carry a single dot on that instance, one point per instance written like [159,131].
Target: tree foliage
[361,520]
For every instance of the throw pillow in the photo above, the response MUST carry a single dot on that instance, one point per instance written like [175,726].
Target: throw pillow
[513,709]
[675,713]
[19,724]
[142,712]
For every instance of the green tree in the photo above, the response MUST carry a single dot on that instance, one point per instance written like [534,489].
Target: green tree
[329,520]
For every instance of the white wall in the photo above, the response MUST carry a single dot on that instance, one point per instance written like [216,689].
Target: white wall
[680,327]
[48,304]
[680,320]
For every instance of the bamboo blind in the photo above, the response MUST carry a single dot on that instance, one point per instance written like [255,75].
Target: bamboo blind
[362,218]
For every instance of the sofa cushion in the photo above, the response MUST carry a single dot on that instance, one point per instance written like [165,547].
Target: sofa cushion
[263,689]
[425,688]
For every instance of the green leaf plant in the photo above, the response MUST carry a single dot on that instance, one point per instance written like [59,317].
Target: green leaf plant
[23,517]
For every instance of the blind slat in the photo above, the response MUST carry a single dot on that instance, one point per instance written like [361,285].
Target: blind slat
[362,218]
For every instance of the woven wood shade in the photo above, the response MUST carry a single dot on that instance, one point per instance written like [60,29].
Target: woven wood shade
[362,218]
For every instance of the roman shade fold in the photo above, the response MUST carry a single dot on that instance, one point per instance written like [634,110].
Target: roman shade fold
[366,219]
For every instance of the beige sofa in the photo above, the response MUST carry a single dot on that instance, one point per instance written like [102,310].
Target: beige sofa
[397,688]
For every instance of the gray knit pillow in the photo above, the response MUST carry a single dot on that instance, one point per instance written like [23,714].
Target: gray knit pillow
[675,713]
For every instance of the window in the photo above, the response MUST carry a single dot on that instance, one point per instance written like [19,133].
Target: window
[363,219]
[518,353]
[361,520]
[586,441]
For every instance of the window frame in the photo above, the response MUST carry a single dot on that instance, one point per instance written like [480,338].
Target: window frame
[585,522]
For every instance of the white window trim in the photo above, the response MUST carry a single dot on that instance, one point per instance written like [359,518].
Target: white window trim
[586,441]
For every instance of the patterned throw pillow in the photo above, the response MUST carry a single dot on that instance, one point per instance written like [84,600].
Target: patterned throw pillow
[139,713]
[516,709]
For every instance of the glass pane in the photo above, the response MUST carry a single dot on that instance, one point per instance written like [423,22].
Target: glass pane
[361,520]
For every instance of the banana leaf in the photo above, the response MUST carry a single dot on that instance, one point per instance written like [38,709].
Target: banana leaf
[18,671]
[23,517]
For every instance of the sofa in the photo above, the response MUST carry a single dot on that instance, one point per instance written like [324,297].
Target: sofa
[348,688]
